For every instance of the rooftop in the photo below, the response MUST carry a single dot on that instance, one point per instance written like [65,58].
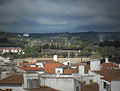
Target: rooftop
[32,68]
[50,67]
[109,75]
[13,79]
[90,87]
[67,71]
[109,65]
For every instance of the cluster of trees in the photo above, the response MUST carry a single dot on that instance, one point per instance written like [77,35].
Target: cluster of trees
[66,41]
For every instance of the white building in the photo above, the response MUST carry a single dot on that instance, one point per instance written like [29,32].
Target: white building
[11,49]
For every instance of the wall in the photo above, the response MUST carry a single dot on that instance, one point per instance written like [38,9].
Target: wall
[62,60]
[115,86]
[62,84]
[39,65]
[31,81]
[101,85]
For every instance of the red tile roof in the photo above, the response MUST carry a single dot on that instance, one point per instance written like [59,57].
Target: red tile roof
[50,67]
[109,75]
[90,87]
[70,71]
[109,65]
[13,79]
[32,68]
[67,71]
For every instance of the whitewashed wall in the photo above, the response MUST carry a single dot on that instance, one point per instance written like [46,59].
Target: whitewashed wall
[115,85]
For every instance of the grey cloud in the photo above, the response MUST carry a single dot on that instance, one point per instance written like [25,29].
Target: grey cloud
[59,15]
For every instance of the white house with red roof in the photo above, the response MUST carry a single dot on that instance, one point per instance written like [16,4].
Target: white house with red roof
[11,49]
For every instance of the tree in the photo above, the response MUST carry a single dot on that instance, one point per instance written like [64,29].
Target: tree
[64,54]
[72,54]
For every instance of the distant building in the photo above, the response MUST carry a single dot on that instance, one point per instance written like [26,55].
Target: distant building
[11,49]
[26,35]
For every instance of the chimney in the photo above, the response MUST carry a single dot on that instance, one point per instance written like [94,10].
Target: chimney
[55,58]
[81,70]
[95,65]
[106,60]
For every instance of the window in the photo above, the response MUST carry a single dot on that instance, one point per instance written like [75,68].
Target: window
[91,81]
[109,87]
[84,82]
[77,88]
[9,89]
[104,85]
[58,71]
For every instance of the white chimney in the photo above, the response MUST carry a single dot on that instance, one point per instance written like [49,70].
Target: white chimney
[95,65]
[55,57]
[106,60]
[82,70]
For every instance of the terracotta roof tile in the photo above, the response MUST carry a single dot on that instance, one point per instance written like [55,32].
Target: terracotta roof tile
[13,79]
[70,71]
[109,65]
[67,71]
[31,68]
[50,67]
[90,87]
[109,75]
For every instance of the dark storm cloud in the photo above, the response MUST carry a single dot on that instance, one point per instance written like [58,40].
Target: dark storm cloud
[59,15]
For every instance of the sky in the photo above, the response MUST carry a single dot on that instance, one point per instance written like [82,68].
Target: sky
[56,16]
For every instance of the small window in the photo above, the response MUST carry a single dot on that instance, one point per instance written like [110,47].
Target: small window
[9,89]
[77,88]
[58,71]
[91,81]
[104,85]
[84,82]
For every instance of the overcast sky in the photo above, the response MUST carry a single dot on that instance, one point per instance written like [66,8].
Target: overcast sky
[48,16]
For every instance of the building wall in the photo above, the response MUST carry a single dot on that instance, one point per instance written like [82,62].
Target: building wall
[31,81]
[101,85]
[40,65]
[115,86]
[59,70]
[62,84]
